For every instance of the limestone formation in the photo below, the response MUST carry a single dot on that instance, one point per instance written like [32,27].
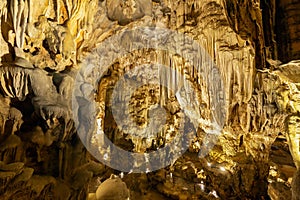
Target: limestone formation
[254,46]
[113,188]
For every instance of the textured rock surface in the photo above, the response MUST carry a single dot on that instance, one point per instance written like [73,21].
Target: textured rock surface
[287,21]
[42,44]
[113,188]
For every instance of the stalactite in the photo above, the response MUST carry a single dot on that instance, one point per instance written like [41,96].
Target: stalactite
[54,37]
[20,11]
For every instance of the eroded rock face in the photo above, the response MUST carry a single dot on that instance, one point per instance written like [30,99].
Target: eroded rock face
[128,11]
[42,46]
[287,21]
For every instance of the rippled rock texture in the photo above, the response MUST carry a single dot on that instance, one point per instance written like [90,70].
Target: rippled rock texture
[255,47]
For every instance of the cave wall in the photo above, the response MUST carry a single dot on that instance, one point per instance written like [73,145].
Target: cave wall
[42,44]
[287,30]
